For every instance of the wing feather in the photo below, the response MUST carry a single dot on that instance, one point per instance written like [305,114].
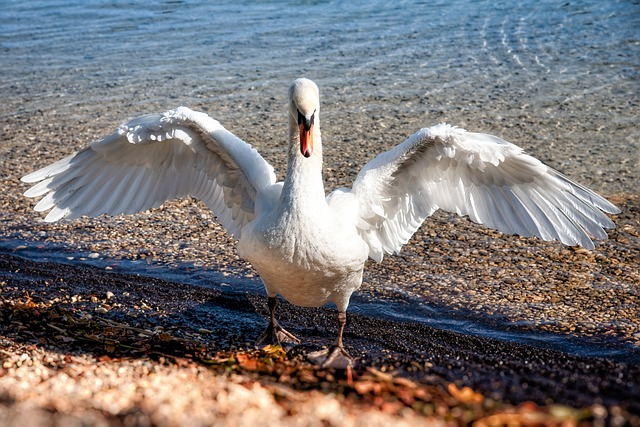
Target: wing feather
[491,180]
[537,212]
[152,159]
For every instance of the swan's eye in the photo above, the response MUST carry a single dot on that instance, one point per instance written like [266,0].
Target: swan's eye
[307,123]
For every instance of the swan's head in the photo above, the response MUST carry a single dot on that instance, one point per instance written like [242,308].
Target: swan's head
[304,104]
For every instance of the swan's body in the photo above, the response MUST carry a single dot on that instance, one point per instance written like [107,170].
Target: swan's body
[308,247]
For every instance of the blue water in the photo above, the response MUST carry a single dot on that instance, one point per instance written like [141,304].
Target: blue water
[63,53]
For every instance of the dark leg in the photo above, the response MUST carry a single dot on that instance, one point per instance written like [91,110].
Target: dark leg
[335,356]
[276,334]
[342,322]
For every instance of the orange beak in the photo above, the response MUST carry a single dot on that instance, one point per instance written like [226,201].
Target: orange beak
[306,140]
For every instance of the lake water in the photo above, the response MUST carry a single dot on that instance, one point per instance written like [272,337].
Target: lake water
[540,70]
[488,65]
[57,54]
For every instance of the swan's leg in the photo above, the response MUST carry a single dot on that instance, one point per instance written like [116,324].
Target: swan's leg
[342,321]
[335,356]
[276,334]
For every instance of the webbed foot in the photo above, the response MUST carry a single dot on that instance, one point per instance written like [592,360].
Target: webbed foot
[276,334]
[333,357]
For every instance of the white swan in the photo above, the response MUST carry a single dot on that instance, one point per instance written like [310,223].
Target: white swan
[308,247]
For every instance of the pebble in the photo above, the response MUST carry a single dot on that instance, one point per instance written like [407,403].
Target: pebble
[467,267]
[88,392]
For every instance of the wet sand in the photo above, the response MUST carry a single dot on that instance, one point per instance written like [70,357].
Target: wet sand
[76,318]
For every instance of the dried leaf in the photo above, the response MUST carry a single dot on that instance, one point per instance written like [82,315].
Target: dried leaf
[246,362]
[465,395]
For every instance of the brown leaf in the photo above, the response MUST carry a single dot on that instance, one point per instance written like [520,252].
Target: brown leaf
[247,362]
[465,394]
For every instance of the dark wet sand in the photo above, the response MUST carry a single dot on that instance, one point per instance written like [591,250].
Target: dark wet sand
[232,320]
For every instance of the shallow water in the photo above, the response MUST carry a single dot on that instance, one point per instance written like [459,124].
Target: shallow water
[58,53]
[549,76]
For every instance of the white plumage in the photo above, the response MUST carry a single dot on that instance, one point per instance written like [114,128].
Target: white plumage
[308,247]
[152,159]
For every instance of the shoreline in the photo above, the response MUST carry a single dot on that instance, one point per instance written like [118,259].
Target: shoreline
[450,262]
[191,326]
[399,308]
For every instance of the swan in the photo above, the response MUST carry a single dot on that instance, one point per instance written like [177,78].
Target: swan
[308,247]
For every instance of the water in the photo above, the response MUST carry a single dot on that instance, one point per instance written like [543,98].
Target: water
[64,53]
[546,70]
[537,72]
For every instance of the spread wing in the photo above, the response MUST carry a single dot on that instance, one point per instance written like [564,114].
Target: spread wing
[492,181]
[152,159]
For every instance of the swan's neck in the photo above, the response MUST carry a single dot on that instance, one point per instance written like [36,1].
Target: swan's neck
[303,184]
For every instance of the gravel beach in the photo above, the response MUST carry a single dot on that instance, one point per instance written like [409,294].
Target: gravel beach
[82,346]
[56,374]
[151,319]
